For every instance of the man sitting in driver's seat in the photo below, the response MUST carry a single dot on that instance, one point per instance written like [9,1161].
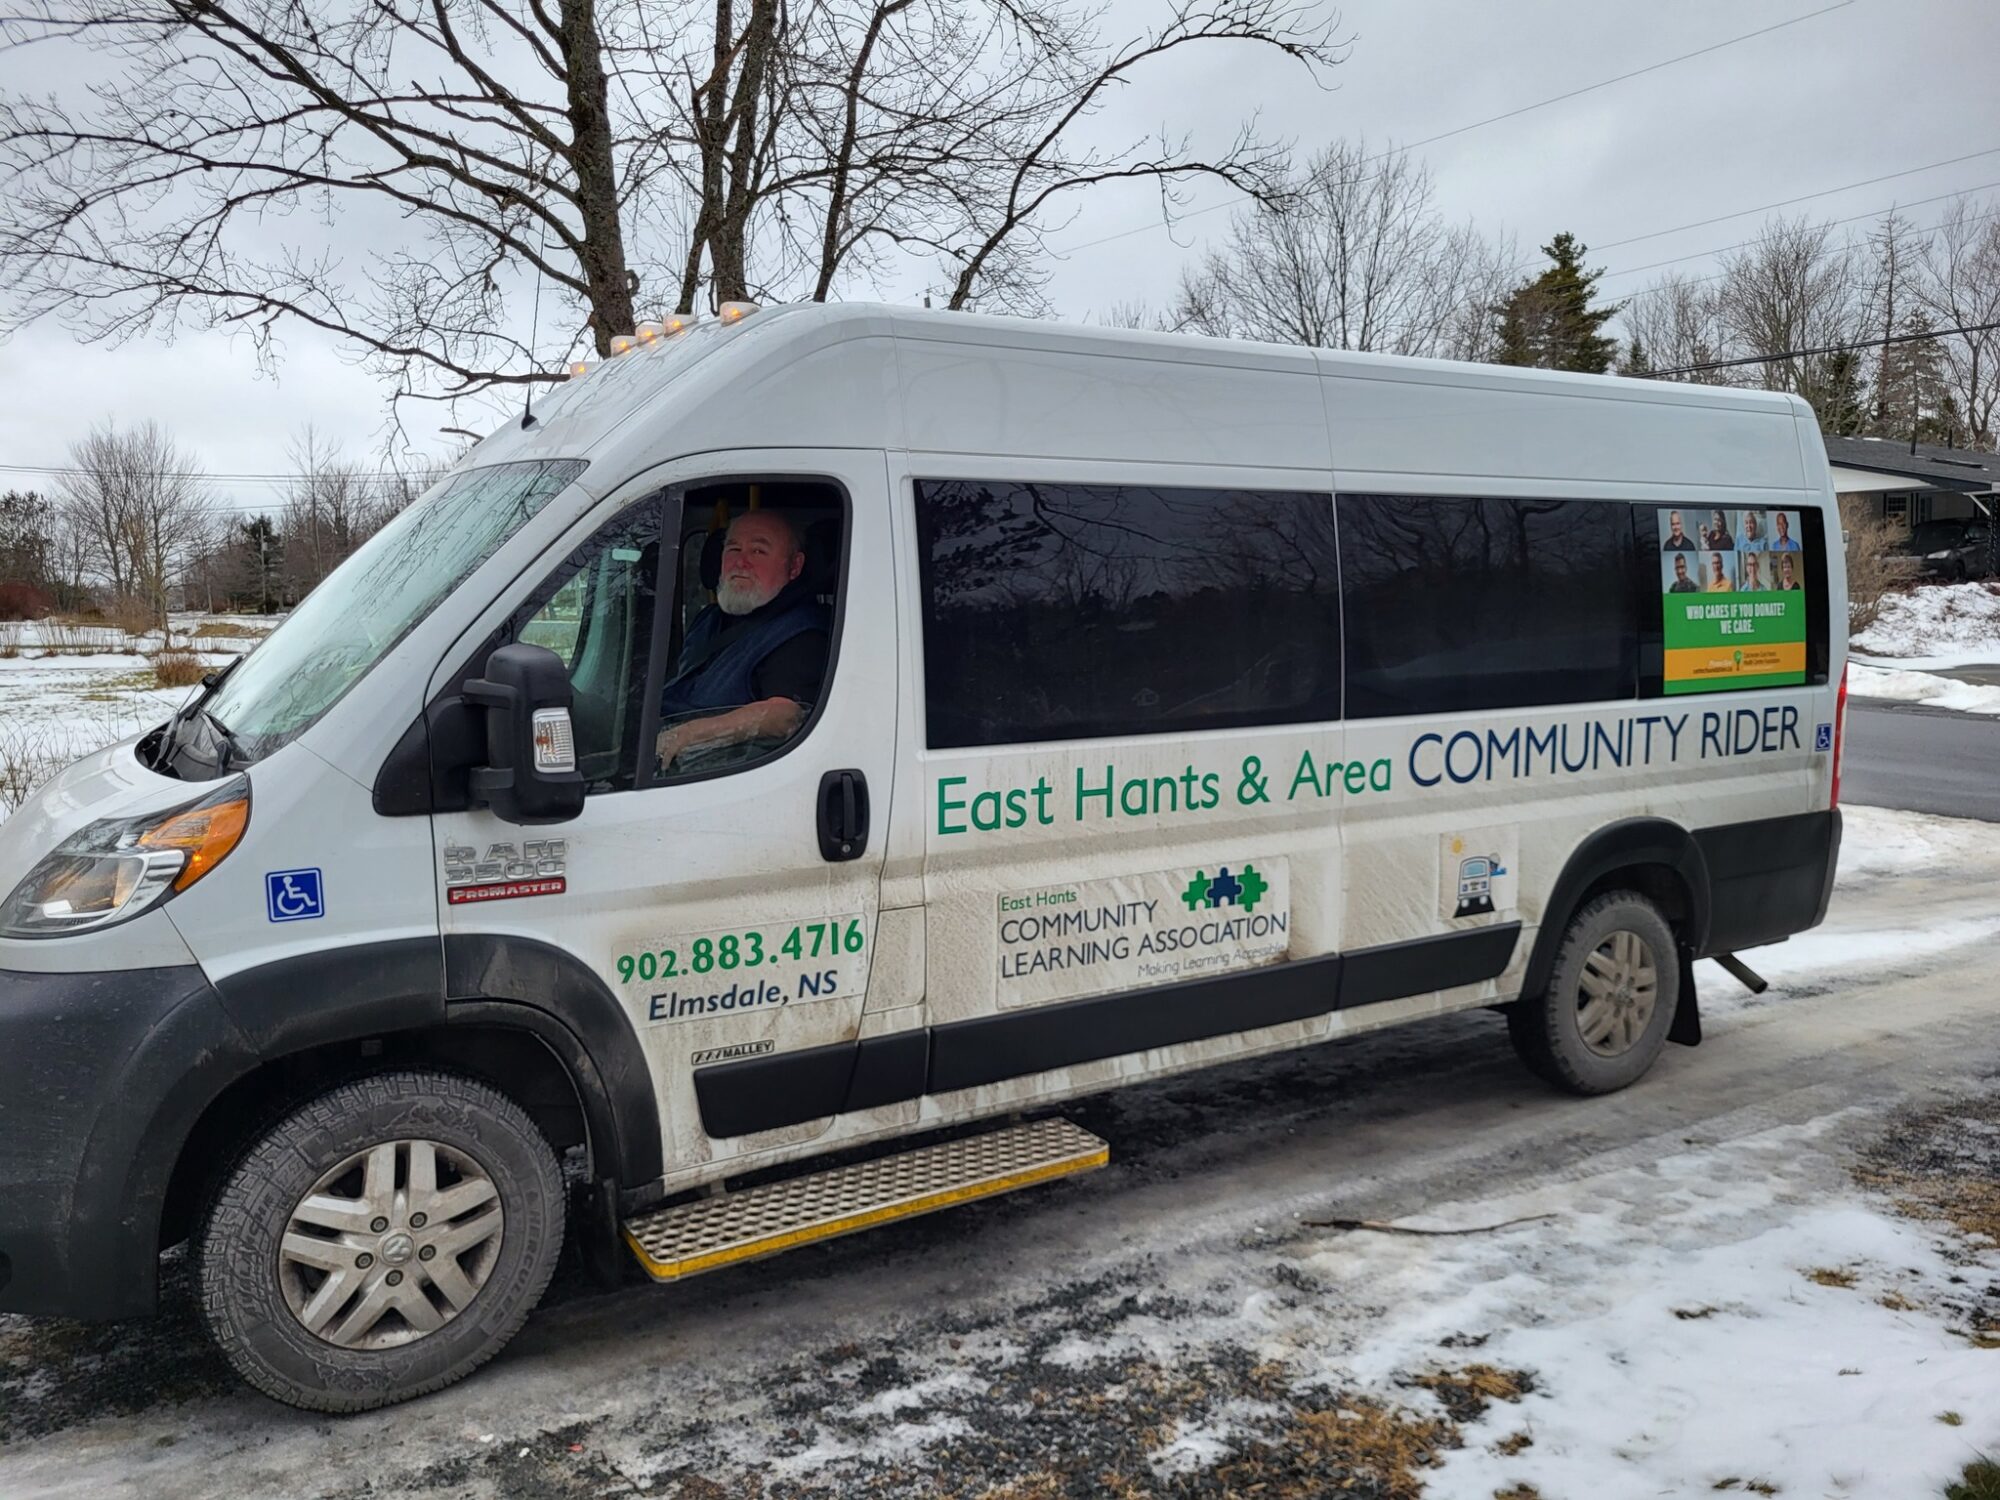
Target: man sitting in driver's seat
[755,658]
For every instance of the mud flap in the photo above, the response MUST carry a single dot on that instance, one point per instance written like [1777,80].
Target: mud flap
[597,1235]
[1686,1028]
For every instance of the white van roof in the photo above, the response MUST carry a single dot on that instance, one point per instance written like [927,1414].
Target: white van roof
[859,375]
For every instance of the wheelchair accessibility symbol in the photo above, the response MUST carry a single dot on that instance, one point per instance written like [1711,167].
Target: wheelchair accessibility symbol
[293,895]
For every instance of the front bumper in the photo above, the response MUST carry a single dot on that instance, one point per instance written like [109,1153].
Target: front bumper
[101,1076]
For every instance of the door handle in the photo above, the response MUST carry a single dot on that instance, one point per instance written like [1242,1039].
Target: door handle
[843,815]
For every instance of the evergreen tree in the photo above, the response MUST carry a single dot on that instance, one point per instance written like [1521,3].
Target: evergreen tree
[27,538]
[1834,390]
[1636,362]
[1912,396]
[252,565]
[1550,324]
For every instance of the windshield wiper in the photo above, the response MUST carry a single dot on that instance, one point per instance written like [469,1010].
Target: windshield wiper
[229,744]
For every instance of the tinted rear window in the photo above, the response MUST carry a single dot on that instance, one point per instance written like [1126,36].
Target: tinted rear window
[1457,603]
[1073,611]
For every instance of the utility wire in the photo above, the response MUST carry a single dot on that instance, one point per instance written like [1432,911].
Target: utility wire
[1765,359]
[1458,130]
[1654,265]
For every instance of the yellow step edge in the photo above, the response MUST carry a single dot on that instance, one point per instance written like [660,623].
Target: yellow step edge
[772,1244]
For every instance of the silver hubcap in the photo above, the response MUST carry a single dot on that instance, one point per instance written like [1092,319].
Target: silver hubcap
[390,1245]
[1621,987]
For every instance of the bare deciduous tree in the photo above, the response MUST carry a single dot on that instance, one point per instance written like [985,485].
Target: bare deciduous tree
[138,508]
[1354,255]
[1798,286]
[606,155]
[1960,288]
[1677,321]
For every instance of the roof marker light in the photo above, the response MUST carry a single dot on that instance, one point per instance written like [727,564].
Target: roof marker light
[649,332]
[581,368]
[736,312]
[679,323]
[624,343]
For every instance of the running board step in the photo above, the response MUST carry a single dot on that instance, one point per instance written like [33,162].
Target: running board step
[690,1238]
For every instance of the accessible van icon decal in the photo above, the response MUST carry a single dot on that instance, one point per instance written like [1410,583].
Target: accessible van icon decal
[293,896]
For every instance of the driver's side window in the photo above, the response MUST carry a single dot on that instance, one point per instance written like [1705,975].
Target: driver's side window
[597,613]
[750,655]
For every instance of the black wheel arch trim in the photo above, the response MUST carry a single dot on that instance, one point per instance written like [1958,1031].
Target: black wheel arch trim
[1627,844]
[538,977]
[409,984]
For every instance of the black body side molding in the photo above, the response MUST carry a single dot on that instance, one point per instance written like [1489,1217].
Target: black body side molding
[768,1093]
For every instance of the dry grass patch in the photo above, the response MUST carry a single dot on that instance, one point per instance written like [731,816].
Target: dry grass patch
[1830,1276]
[1466,1393]
[219,630]
[1344,1448]
[1507,1447]
[1694,1314]
[1980,1481]
[1518,1492]
[175,668]
[1896,1302]
[1943,1165]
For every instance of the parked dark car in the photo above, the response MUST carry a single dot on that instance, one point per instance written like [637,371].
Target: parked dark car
[1952,550]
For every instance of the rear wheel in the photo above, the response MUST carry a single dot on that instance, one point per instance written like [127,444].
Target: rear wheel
[380,1241]
[1610,999]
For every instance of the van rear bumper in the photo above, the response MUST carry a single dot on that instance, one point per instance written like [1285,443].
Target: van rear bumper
[96,1070]
[1768,879]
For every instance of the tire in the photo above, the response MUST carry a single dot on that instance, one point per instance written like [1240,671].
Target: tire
[1620,943]
[265,1258]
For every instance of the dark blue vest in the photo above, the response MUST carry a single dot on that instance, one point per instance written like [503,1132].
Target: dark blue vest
[711,677]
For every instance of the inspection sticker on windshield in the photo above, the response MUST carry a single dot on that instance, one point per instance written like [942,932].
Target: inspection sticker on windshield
[734,969]
[1135,930]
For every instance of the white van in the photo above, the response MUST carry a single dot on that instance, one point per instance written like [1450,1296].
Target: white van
[822,725]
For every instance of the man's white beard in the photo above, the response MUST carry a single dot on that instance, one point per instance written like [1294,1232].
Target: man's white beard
[740,596]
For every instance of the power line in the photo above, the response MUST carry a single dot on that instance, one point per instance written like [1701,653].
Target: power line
[1875,213]
[1765,359]
[1845,187]
[1490,120]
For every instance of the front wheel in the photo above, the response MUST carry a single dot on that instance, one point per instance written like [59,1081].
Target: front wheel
[1610,999]
[383,1240]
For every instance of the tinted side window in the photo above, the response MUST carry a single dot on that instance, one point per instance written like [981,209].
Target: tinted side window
[1068,611]
[1456,604]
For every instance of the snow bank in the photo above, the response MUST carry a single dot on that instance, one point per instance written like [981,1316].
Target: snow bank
[1958,623]
[1923,687]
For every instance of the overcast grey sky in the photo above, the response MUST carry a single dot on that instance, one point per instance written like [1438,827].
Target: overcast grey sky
[1872,88]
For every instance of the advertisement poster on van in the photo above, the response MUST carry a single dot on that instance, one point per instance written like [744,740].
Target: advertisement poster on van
[1732,596]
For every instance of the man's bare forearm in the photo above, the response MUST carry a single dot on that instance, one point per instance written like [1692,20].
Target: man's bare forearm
[771,718]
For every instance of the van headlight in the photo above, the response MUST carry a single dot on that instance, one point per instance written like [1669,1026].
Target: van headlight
[117,868]
[1937,556]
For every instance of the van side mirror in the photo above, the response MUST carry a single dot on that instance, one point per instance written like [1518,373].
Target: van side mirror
[530,775]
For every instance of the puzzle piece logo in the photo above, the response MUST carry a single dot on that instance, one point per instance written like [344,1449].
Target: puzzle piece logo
[1244,890]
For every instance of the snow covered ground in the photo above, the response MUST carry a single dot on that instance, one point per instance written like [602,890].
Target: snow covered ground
[1932,687]
[66,690]
[1937,624]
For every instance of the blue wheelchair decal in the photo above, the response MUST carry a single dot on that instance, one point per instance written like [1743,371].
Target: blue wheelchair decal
[1823,737]
[293,895]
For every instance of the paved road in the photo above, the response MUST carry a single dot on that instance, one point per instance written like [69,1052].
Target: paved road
[1075,1330]
[1922,759]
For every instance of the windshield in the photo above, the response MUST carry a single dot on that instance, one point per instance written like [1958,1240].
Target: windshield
[375,598]
[1938,534]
